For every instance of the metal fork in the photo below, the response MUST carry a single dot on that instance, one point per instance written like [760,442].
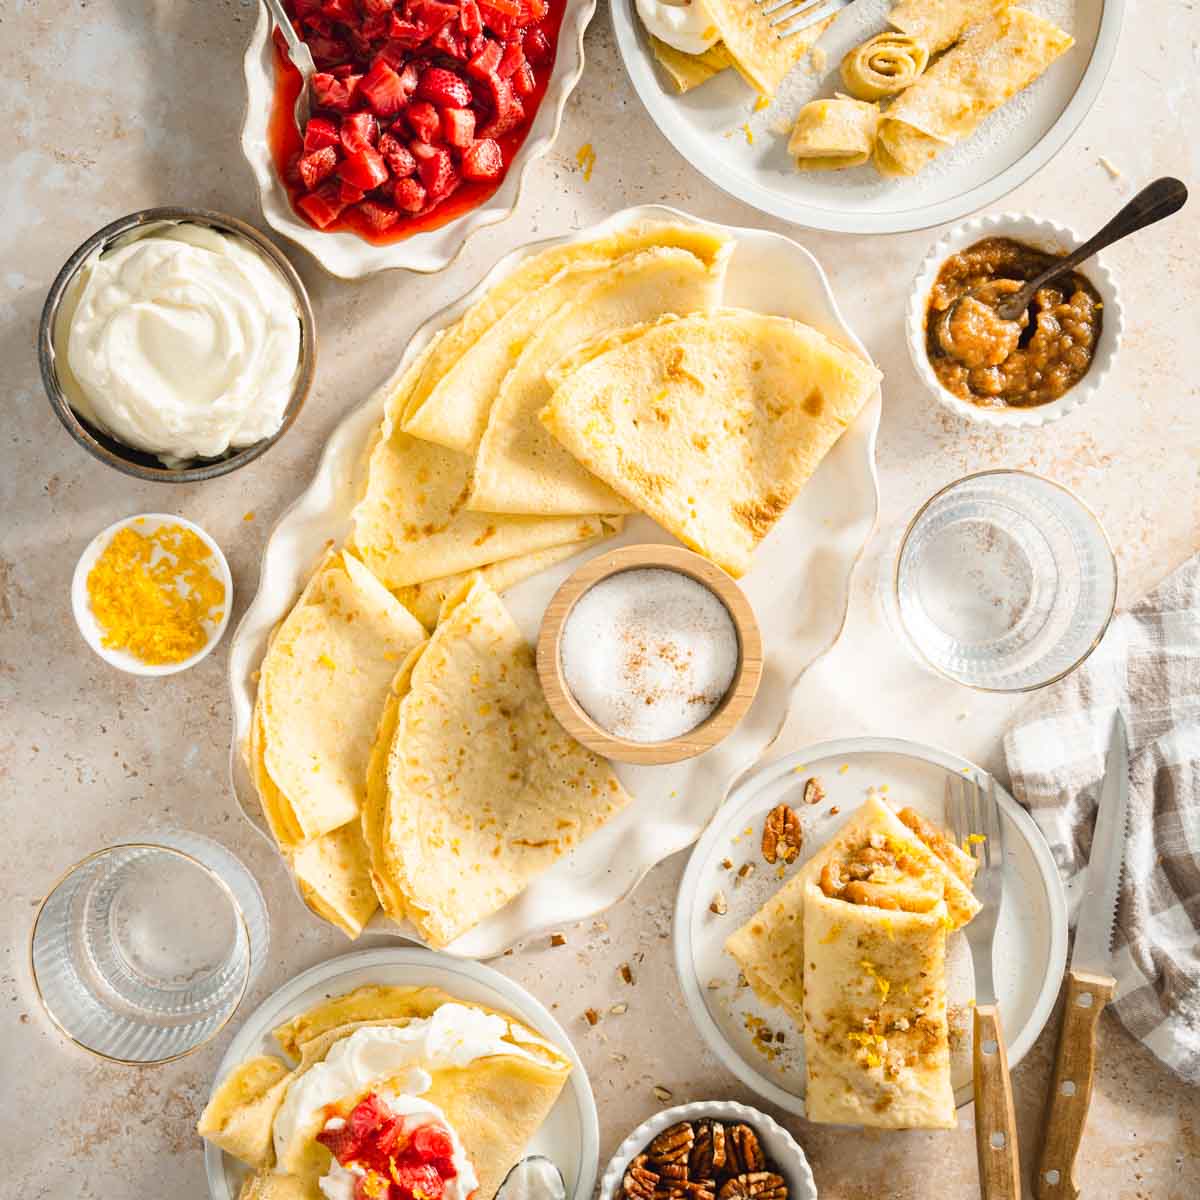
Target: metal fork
[302,60]
[788,17]
[975,819]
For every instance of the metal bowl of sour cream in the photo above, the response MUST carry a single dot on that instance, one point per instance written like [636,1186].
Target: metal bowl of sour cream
[189,466]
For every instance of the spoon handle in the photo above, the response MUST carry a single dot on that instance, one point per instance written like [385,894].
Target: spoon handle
[296,44]
[1155,201]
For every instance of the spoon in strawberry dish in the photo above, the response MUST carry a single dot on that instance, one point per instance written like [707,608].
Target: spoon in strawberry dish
[302,60]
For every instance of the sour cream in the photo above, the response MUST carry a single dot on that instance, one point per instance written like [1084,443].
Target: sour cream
[685,24]
[398,1056]
[181,341]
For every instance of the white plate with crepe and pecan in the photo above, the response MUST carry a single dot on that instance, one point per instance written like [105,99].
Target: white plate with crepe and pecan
[709,1150]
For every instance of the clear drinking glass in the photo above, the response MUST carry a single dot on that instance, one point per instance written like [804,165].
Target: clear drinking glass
[1004,581]
[142,952]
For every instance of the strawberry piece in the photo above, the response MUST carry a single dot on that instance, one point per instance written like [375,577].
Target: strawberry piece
[537,47]
[391,1133]
[359,131]
[291,172]
[523,82]
[417,1178]
[399,161]
[507,110]
[319,133]
[317,166]
[421,150]
[450,42]
[444,88]
[349,194]
[394,53]
[433,14]
[482,161]
[378,8]
[341,10]
[365,170]
[408,195]
[383,89]
[374,1185]
[512,61]
[342,70]
[458,127]
[438,175]
[423,120]
[331,92]
[483,65]
[380,218]
[368,1114]
[517,13]
[327,51]
[470,21]
[375,28]
[408,33]
[432,1141]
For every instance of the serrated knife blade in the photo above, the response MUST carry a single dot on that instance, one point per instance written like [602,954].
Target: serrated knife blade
[1098,910]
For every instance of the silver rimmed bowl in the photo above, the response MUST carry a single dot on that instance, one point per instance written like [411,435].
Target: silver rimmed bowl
[139,463]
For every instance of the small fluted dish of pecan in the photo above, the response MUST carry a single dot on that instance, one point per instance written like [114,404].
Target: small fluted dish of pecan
[712,1150]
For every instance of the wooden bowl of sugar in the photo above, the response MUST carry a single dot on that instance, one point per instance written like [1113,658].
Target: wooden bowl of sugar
[649,654]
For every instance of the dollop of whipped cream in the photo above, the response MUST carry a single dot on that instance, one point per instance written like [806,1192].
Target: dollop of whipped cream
[182,342]
[399,1056]
[685,24]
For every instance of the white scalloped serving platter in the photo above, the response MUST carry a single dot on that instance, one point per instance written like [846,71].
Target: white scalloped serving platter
[345,254]
[799,587]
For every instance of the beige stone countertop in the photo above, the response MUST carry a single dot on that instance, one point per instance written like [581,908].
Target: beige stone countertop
[114,105]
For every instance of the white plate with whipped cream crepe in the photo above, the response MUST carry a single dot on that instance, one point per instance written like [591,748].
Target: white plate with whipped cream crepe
[798,583]
[743,149]
[1031,939]
[569,1136]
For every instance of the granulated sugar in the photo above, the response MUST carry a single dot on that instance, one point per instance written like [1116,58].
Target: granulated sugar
[649,653]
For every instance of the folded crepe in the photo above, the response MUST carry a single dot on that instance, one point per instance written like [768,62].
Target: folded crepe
[494,1104]
[475,788]
[449,400]
[853,948]
[519,467]
[770,947]
[940,23]
[322,685]
[710,424]
[993,61]
[761,56]
[687,71]
[410,524]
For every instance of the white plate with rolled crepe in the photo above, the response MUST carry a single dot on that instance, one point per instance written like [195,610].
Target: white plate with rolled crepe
[1031,940]
[742,146]
[798,583]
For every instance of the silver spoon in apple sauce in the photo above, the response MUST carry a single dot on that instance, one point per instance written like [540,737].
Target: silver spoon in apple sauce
[983,326]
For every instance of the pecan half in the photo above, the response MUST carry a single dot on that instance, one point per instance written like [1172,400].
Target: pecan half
[742,1150]
[708,1151]
[782,836]
[640,1182]
[814,791]
[754,1185]
[672,1148]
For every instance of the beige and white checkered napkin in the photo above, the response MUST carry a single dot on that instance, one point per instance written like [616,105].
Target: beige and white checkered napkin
[1149,666]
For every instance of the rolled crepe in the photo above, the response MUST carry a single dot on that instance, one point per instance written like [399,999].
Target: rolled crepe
[884,65]
[993,62]
[876,1042]
[940,23]
[830,135]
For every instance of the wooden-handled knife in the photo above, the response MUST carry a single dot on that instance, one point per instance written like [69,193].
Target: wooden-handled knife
[1090,984]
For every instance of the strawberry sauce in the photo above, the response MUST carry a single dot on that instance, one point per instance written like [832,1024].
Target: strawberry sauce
[419,107]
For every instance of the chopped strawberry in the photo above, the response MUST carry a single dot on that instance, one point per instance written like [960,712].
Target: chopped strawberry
[512,61]
[537,47]
[319,133]
[444,88]
[416,1178]
[523,82]
[451,43]
[516,12]
[349,194]
[375,1184]
[438,175]
[423,120]
[380,218]
[378,8]
[431,13]
[482,161]
[317,166]
[399,161]
[421,150]
[291,171]
[485,62]
[432,1141]
[365,170]
[331,92]
[359,131]
[368,1114]
[391,1132]
[375,28]
[342,70]
[341,10]
[408,33]
[327,50]
[469,19]
[507,110]
[408,195]
[458,127]
[384,89]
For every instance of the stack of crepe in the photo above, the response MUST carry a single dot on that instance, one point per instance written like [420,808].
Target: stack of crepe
[493,1104]
[853,948]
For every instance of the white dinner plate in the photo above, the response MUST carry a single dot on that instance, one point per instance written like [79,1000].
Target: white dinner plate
[799,586]
[570,1135]
[745,153]
[1030,950]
